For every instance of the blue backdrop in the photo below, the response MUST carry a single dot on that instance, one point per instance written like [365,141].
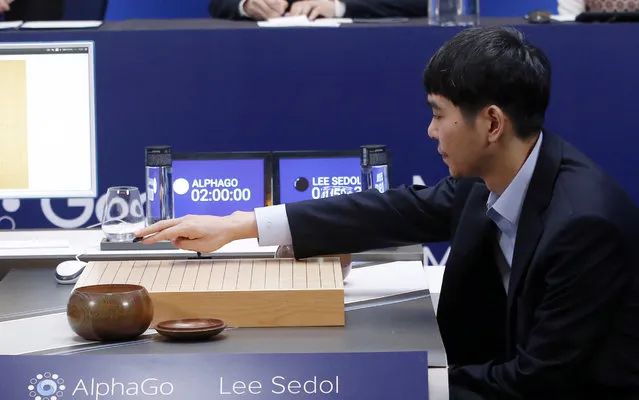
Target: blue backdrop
[290,89]
[127,9]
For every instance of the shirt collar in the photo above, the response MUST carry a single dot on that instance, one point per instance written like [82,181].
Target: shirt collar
[509,204]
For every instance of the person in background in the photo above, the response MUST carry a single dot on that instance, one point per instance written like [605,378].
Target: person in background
[32,10]
[576,7]
[264,9]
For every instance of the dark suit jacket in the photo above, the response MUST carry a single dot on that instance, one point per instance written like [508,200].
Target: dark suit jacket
[36,10]
[569,324]
[228,9]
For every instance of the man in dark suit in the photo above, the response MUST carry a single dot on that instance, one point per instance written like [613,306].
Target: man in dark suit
[264,9]
[540,297]
[32,10]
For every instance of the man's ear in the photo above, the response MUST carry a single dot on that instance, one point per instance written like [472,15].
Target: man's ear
[494,122]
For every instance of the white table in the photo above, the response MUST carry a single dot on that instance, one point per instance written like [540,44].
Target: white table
[85,243]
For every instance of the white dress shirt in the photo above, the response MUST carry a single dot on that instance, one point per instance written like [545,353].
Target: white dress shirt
[272,226]
[505,210]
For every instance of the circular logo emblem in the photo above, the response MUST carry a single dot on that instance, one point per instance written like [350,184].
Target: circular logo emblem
[46,386]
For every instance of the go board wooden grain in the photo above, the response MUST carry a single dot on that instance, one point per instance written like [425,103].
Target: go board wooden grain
[242,292]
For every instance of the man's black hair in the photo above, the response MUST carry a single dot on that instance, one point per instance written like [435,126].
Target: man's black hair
[483,66]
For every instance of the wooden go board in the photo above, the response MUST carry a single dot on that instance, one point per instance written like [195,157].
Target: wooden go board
[242,292]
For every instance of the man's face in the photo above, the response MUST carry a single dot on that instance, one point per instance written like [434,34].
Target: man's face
[461,144]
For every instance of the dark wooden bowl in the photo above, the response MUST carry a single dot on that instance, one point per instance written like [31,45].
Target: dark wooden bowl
[113,312]
[191,328]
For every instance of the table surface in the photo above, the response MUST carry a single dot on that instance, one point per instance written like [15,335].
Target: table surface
[85,243]
[407,324]
[403,322]
[29,292]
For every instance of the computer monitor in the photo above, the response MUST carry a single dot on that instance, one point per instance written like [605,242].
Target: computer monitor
[305,175]
[220,183]
[47,120]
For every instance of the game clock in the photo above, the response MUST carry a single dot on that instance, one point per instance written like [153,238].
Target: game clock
[307,175]
[219,183]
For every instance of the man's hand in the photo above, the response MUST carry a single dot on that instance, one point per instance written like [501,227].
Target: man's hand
[201,233]
[313,9]
[264,9]
[5,5]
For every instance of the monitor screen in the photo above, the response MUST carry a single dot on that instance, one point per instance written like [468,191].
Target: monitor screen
[306,175]
[220,183]
[47,120]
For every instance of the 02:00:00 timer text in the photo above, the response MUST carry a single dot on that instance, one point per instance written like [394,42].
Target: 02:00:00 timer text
[221,194]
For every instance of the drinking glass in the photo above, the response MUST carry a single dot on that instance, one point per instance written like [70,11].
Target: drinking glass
[453,12]
[123,214]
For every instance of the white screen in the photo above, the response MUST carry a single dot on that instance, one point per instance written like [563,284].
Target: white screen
[57,79]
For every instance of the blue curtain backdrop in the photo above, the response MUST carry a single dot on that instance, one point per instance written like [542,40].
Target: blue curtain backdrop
[127,9]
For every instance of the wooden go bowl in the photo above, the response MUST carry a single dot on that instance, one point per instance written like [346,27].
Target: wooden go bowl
[113,312]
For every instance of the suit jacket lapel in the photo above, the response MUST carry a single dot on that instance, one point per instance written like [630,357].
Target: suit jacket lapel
[473,236]
[528,234]
[475,223]
[472,297]
[538,196]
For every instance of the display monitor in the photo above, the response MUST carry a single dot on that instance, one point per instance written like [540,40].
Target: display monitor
[220,183]
[305,175]
[47,120]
